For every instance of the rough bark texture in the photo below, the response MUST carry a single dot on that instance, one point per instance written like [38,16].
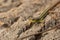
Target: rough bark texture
[15,15]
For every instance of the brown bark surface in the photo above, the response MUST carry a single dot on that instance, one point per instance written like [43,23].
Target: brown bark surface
[15,20]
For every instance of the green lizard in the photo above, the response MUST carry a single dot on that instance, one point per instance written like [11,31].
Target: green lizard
[42,16]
